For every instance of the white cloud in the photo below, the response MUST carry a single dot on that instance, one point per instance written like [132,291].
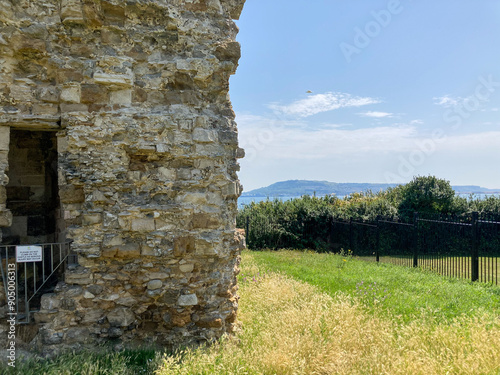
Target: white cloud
[279,150]
[482,141]
[447,101]
[319,103]
[269,139]
[376,114]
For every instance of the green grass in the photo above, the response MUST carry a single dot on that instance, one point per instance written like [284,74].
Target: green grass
[303,312]
[453,266]
[407,293]
[127,362]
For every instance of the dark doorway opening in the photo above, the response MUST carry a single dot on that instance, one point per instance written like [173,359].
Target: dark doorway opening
[32,191]
[33,199]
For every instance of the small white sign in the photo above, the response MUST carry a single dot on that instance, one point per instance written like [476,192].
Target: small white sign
[28,254]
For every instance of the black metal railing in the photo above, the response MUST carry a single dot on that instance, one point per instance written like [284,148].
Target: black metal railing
[466,246]
[31,279]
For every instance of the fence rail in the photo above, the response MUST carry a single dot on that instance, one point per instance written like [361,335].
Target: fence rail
[465,247]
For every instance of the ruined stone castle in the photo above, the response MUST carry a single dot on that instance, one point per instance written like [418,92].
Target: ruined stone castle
[117,135]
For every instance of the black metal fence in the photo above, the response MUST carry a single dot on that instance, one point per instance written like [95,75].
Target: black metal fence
[465,247]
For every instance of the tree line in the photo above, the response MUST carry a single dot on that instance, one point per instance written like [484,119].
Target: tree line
[289,220]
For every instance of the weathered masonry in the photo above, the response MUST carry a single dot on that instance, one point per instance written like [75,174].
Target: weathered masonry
[117,134]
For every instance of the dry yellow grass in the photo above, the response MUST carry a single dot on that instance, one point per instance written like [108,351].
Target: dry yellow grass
[289,327]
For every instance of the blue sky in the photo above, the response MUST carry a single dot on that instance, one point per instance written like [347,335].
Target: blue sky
[369,91]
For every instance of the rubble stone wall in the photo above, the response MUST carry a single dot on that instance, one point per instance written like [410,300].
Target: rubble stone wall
[137,92]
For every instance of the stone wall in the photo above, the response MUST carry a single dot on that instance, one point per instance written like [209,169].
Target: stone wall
[137,92]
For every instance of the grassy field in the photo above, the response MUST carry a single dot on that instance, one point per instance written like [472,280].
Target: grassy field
[460,267]
[407,292]
[307,313]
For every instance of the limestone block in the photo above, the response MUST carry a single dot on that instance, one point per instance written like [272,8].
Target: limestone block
[80,276]
[112,241]
[71,194]
[231,190]
[228,137]
[73,107]
[186,268]
[203,135]
[92,93]
[114,332]
[149,251]
[71,94]
[113,80]
[158,275]
[50,337]
[49,94]
[184,245]
[143,225]
[240,153]
[91,219]
[95,289]
[185,124]
[187,300]
[98,196]
[4,138]
[5,218]
[204,247]
[126,301]
[92,316]
[76,335]
[184,174]
[45,109]
[127,251]
[198,199]
[50,301]
[170,297]
[162,147]
[154,284]
[233,7]
[228,51]
[44,316]
[181,319]
[88,295]
[21,93]
[71,12]
[73,291]
[113,14]
[121,97]
[210,323]
[166,173]
[204,221]
[120,317]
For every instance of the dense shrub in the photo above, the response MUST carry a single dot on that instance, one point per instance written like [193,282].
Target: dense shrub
[304,222]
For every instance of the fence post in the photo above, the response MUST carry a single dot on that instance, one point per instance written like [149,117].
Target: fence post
[475,248]
[350,235]
[377,245]
[330,234]
[415,239]
[247,230]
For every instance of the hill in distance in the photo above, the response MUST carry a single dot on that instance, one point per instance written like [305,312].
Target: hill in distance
[294,188]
